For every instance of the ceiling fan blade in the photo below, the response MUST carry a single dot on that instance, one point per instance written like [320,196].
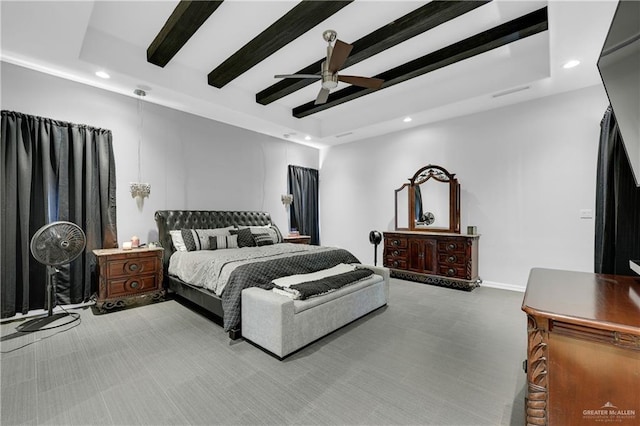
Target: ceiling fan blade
[323,95]
[339,55]
[368,82]
[315,76]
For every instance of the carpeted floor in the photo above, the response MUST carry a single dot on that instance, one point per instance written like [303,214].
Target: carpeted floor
[432,356]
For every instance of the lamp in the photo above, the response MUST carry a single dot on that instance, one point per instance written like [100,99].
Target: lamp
[138,189]
[287,199]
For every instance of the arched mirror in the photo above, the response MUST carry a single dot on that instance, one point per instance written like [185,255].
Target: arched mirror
[433,201]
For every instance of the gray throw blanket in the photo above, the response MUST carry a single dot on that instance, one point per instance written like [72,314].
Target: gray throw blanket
[261,273]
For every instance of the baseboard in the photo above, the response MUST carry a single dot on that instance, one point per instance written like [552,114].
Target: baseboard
[503,286]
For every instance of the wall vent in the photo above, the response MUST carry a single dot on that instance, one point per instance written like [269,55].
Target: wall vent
[344,134]
[510,91]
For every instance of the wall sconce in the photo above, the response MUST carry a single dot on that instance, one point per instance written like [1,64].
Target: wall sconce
[138,189]
[287,199]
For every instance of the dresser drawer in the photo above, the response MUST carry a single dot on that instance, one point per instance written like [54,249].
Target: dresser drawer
[451,246]
[451,259]
[121,287]
[396,242]
[453,271]
[391,262]
[132,266]
[396,252]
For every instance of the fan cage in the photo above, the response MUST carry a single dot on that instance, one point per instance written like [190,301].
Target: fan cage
[58,243]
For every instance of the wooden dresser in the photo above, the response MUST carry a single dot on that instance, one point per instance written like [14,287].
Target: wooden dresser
[128,276]
[583,356]
[444,259]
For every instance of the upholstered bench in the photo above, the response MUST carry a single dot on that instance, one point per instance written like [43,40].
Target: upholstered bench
[282,325]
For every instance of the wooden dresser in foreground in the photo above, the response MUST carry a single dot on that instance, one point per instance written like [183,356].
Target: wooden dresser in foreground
[444,259]
[583,355]
[128,276]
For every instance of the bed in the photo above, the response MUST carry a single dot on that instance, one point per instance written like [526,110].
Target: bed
[237,284]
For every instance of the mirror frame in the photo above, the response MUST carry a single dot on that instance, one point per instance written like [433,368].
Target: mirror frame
[440,174]
[409,195]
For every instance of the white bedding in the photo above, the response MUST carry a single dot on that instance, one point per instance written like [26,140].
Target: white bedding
[210,269]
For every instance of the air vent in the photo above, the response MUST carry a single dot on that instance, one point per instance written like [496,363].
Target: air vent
[344,134]
[510,91]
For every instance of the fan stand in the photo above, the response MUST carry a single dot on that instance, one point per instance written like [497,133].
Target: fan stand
[50,321]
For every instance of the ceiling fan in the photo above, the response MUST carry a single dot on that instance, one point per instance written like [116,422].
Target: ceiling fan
[336,57]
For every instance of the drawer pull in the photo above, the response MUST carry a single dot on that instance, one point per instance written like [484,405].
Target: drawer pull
[452,259]
[135,284]
[452,246]
[451,272]
[396,252]
[395,263]
[133,267]
[395,242]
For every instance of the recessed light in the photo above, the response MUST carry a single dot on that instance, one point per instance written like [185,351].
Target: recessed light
[307,138]
[102,74]
[407,119]
[570,64]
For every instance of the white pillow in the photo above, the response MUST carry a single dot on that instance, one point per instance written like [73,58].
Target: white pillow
[176,238]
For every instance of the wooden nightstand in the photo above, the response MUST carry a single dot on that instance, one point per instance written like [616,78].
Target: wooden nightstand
[128,276]
[297,239]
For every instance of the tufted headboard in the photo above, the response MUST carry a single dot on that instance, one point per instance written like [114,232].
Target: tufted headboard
[168,220]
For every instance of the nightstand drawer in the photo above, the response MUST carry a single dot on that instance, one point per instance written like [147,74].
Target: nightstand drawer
[129,286]
[297,239]
[132,266]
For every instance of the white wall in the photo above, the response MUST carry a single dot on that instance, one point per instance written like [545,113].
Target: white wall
[191,162]
[525,172]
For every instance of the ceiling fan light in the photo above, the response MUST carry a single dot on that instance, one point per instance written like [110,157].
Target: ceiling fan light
[329,84]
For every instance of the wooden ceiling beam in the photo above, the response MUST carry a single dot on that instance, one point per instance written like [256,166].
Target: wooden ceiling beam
[304,16]
[184,21]
[410,25]
[517,29]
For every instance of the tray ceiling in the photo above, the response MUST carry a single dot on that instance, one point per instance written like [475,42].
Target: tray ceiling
[218,59]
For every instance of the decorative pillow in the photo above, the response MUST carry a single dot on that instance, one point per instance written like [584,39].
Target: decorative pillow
[176,238]
[198,239]
[272,230]
[245,238]
[219,242]
[191,239]
[263,239]
[279,238]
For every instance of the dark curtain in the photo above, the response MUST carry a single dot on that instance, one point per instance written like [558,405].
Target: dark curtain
[617,226]
[303,184]
[51,171]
